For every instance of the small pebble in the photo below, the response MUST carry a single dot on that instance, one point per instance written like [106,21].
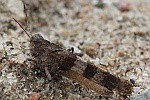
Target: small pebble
[111,62]
[21,58]
[134,77]
[137,89]
[138,71]
[34,96]
[132,81]
[124,6]
[89,50]
[96,62]
[1,46]
[145,74]
[121,53]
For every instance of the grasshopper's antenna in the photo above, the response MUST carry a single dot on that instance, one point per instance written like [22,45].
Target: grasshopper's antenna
[22,28]
[26,19]
[25,11]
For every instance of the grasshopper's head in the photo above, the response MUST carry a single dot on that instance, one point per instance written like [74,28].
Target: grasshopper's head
[36,46]
[36,38]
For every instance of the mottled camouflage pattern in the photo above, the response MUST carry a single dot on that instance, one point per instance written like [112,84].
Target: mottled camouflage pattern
[58,59]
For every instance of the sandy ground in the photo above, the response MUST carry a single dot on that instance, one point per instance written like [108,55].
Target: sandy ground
[102,33]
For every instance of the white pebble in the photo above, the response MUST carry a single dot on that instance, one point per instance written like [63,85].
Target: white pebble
[96,62]
[24,89]
[76,49]
[138,71]
[137,89]
[9,75]
[134,77]
[1,46]
[145,74]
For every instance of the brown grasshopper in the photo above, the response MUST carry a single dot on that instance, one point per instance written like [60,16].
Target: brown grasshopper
[57,60]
